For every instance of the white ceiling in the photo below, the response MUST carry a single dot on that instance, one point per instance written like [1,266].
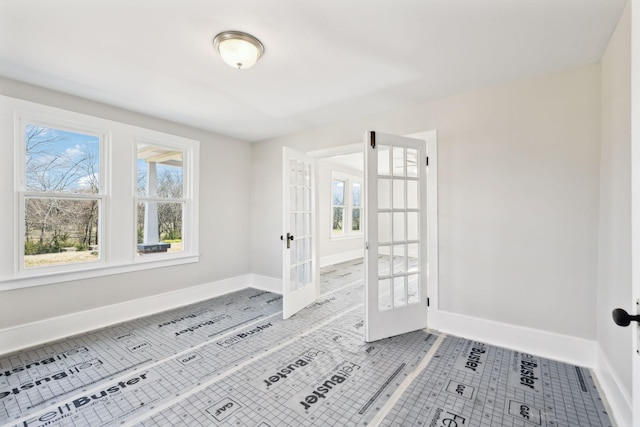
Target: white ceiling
[325,61]
[353,161]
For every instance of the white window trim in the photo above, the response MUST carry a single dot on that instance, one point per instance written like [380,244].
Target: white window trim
[189,234]
[347,233]
[29,117]
[118,252]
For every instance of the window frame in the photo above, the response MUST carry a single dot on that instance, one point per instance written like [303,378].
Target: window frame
[354,207]
[343,206]
[104,141]
[347,231]
[117,194]
[188,235]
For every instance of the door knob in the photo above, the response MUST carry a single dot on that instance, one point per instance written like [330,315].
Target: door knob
[289,239]
[622,318]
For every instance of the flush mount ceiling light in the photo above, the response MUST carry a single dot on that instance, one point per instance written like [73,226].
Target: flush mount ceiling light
[239,50]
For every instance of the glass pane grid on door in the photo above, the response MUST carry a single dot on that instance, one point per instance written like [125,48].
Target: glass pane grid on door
[398,213]
[300,252]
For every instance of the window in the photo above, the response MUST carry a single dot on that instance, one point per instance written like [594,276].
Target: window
[346,204]
[355,206]
[338,207]
[160,203]
[81,210]
[61,204]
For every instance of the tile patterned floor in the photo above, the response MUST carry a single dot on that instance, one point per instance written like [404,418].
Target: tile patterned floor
[233,361]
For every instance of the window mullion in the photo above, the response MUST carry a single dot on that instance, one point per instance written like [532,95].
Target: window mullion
[161,199]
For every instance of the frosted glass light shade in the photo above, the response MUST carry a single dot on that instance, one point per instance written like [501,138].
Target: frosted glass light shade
[237,49]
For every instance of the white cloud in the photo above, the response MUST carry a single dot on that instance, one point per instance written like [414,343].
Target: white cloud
[74,152]
[84,182]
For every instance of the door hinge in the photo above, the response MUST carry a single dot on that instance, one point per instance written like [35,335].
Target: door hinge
[366,245]
[427,301]
[427,160]
[373,139]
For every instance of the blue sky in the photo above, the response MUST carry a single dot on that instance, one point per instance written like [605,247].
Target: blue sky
[59,160]
[63,161]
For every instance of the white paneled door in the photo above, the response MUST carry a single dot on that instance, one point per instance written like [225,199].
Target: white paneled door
[300,281]
[396,260]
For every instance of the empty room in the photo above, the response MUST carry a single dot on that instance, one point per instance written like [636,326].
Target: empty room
[296,213]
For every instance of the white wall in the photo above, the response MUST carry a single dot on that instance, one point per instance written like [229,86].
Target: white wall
[518,188]
[332,248]
[224,219]
[614,258]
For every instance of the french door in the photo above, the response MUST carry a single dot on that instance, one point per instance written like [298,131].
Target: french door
[299,270]
[396,260]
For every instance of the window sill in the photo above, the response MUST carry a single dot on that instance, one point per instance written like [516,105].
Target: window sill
[34,279]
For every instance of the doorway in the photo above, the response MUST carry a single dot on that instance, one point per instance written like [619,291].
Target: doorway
[340,211]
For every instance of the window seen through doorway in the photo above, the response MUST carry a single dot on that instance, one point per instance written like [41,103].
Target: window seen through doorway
[346,204]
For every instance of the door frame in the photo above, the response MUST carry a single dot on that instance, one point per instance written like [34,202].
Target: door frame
[635,207]
[433,274]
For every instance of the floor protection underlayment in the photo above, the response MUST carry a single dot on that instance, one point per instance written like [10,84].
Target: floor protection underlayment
[233,361]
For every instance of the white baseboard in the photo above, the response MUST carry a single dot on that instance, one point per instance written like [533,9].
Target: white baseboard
[618,399]
[554,346]
[31,334]
[266,283]
[341,257]
[564,348]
